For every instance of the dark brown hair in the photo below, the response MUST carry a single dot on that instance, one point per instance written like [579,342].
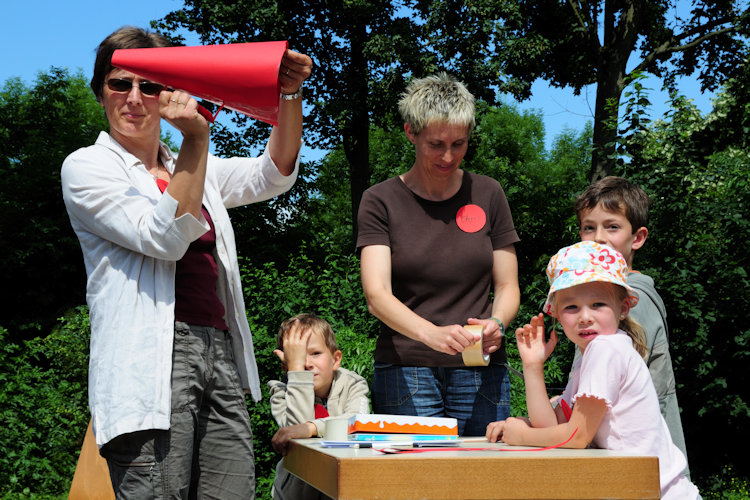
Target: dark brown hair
[127,37]
[616,195]
[306,320]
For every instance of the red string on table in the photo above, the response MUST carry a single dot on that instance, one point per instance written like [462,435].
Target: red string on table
[458,448]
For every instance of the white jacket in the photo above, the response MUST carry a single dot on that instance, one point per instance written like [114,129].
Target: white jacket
[131,242]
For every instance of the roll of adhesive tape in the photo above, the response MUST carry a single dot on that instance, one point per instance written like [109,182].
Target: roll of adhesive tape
[474,354]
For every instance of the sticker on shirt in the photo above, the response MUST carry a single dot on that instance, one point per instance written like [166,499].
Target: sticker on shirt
[470,218]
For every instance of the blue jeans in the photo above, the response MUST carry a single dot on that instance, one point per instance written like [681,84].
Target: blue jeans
[475,396]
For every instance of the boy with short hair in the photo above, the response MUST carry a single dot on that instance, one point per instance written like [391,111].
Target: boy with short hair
[614,211]
[315,388]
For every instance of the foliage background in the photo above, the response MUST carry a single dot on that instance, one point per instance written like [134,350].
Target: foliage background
[298,257]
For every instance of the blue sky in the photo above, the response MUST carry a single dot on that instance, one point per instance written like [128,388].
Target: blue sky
[39,34]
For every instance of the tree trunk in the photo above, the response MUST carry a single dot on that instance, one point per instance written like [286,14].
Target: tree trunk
[357,128]
[621,25]
[606,112]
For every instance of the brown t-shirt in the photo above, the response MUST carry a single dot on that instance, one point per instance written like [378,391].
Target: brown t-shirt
[441,259]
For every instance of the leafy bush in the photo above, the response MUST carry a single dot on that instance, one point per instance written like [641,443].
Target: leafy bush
[43,407]
[696,253]
[726,485]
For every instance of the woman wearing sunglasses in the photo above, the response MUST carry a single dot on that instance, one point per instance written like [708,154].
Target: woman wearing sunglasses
[171,349]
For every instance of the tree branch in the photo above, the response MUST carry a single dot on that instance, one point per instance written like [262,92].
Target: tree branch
[577,13]
[708,26]
[588,25]
[668,48]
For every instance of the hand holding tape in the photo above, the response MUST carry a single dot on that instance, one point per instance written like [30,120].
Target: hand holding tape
[474,354]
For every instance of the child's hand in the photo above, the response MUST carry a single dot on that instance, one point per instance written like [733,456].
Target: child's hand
[494,431]
[531,345]
[280,440]
[514,429]
[294,354]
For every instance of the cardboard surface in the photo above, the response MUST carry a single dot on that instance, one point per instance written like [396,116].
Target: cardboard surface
[91,480]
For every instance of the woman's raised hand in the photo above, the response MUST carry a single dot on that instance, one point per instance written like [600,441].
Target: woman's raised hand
[181,111]
[294,69]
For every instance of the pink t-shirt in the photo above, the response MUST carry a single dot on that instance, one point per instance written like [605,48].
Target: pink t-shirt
[612,370]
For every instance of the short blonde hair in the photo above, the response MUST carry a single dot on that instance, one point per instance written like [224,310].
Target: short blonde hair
[307,320]
[437,98]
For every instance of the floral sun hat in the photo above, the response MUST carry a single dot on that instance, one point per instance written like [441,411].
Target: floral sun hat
[586,262]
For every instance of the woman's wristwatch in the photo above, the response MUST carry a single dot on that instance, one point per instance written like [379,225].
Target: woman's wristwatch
[500,324]
[291,97]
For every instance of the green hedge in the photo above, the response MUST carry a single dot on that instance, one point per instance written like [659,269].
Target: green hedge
[43,399]
[43,406]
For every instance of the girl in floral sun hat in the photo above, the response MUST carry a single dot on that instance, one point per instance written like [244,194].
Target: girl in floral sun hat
[614,403]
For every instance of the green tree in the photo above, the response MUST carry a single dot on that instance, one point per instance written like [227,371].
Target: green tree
[365,52]
[356,48]
[576,44]
[42,264]
[694,168]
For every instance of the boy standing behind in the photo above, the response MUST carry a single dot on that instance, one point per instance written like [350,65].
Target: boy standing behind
[614,211]
[316,387]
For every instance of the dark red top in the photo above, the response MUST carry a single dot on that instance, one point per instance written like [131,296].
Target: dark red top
[196,300]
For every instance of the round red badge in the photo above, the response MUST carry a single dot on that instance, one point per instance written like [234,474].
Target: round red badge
[470,218]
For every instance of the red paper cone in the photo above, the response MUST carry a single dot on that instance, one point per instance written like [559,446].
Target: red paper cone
[240,76]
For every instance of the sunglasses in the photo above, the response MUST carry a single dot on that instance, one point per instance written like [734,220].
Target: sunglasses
[147,88]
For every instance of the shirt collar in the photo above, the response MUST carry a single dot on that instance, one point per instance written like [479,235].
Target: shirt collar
[130,160]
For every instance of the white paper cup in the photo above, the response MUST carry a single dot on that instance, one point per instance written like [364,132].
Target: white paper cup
[337,429]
